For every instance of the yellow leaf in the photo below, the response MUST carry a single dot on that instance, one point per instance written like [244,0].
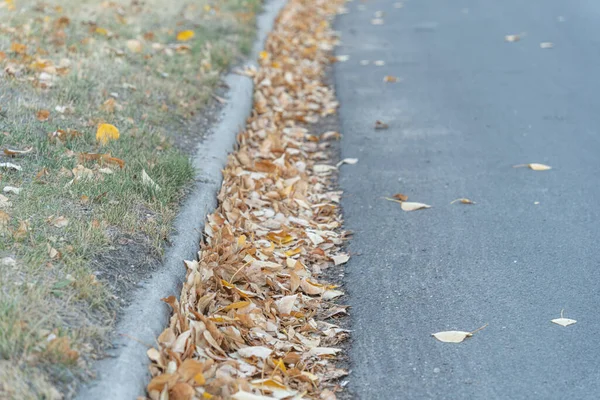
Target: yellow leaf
[184,36]
[106,133]
[263,55]
[236,305]
[534,166]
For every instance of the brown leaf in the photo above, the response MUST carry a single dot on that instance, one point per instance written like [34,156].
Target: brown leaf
[381,125]
[43,115]
[400,197]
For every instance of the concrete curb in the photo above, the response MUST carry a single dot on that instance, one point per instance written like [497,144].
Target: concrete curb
[125,375]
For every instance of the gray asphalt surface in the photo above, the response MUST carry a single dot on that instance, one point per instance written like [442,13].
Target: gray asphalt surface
[471,106]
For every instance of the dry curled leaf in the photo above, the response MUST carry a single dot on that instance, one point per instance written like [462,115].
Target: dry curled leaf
[391,79]
[16,153]
[350,161]
[463,201]
[381,125]
[43,115]
[400,197]
[534,166]
[10,166]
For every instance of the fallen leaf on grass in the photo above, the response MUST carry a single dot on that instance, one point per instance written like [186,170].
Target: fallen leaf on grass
[134,45]
[11,189]
[102,158]
[534,166]
[184,36]
[512,38]
[16,153]
[43,115]
[147,181]
[22,230]
[546,45]
[5,202]
[463,201]
[391,79]
[4,220]
[106,133]
[59,222]
[350,161]
[381,125]
[454,336]
[12,166]
[562,321]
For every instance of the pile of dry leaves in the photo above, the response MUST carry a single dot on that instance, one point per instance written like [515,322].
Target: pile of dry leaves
[251,319]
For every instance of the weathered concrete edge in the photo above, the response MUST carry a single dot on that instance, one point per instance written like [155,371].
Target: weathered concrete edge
[125,375]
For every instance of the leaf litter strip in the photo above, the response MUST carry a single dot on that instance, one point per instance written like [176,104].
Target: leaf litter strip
[251,319]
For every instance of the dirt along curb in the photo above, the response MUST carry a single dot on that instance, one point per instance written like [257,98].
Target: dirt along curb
[124,374]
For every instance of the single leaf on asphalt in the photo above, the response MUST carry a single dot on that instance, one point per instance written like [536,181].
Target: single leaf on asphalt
[377,21]
[534,166]
[413,206]
[379,63]
[562,321]
[455,336]
[391,79]
[452,336]
[184,36]
[350,161]
[342,58]
[546,45]
[381,125]
[512,38]
[463,201]
[106,133]
[400,197]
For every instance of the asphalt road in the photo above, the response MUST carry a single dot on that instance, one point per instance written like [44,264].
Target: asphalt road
[471,106]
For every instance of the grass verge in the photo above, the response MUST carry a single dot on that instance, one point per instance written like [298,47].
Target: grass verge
[80,223]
